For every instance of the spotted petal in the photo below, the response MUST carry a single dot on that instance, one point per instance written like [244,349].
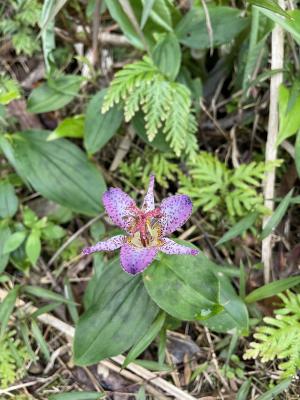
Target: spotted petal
[107,245]
[175,210]
[148,204]
[135,259]
[171,247]
[117,204]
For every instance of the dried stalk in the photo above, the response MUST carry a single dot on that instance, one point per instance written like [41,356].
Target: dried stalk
[271,148]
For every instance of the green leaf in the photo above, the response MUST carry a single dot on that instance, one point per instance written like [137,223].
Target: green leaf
[242,394]
[183,286]
[9,91]
[121,313]
[239,228]
[37,334]
[291,25]
[277,389]
[53,232]
[70,127]
[99,128]
[161,14]
[146,340]
[147,7]
[8,200]
[289,116]
[33,246]
[77,396]
[50,9]
[271,5]
[14,241]
[4,236]
[167,56]
[271,289]
[277,215]
[46,294]
[54,94]
[6,307]
[153,365]
[297,153]
[226,25]
[69,295]
[234,315]
[60,171]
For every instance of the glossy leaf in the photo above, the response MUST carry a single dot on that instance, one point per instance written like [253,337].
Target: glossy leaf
[121,313]
[54,94]
[8,200]
[277,215]
[183,286]
[99,128]
[226,25]
[70,127]
[6,308]
[60,171]
[167,55]
[234,315]
[146,340]
[77,396]
[271,289]
[14,241]
[239,228]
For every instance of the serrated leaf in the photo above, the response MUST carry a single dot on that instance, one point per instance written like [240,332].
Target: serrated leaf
[120,314]
[99,128]
[60,171]
[8,200]
[54,94]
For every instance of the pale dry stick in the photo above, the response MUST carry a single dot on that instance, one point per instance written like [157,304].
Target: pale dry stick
[95,31]
[277,49]
[143,373]
[122,149]
[73,237]
[20,386]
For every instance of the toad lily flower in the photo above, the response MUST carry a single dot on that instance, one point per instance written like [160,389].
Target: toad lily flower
[146,228]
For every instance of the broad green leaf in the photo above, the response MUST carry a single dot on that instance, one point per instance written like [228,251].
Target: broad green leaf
[226,25]
[276,390]
[37,334]
[121,313]
[6,308]
[289,116]
[33,246]
[146,340]
[70,127]
[291,25]
[239,228]
[8,200]
[99,128]
[161,14]
[54,94]
[234,315]
[297,154]
[271,289]
[53,231]
[184,286]
[46,294]
[270,5]
[147,7]
[277,215]
[167,55]
[14,241]
[77,396]
[4,236]
[60,171]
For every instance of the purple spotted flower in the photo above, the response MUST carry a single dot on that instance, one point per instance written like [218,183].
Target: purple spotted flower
[146,228]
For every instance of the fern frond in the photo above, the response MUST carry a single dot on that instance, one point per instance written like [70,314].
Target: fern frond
[280,337]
